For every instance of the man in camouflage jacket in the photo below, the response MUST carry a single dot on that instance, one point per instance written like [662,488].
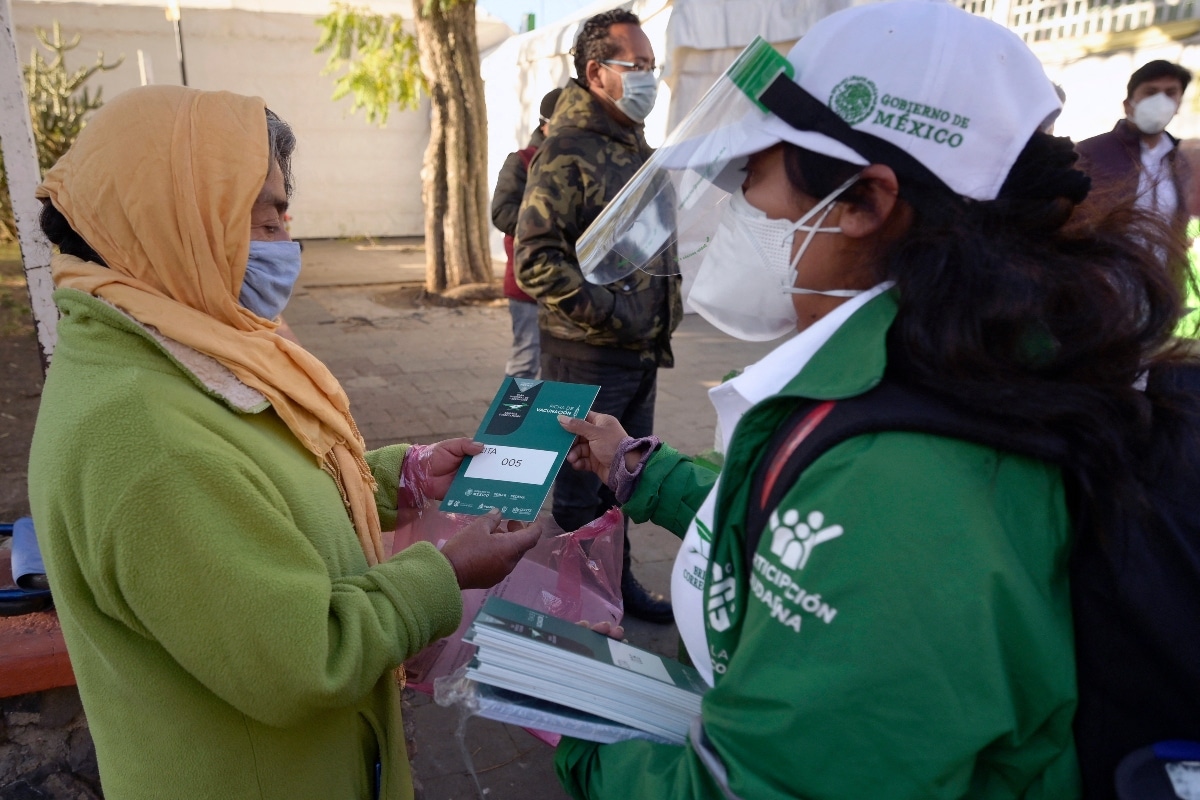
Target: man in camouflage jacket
[617,335]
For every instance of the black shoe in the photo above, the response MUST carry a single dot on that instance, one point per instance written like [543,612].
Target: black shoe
[643,604]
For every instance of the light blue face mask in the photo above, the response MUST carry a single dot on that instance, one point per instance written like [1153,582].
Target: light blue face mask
[639,90]
[271,273]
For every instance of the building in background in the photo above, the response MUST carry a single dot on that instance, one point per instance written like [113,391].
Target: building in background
[1091,47]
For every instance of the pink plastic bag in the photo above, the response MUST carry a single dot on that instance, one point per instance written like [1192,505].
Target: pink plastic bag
[575,576]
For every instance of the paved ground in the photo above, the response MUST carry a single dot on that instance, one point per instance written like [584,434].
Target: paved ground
[420,374]
[423,374]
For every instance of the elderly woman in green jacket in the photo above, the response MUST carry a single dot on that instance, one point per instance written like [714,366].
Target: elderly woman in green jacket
[900,624]
[210,518]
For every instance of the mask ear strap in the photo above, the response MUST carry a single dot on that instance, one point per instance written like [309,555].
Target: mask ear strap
[823,208]
[826,292]
[826,203]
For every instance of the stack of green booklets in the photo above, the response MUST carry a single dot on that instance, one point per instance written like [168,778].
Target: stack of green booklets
[554,675]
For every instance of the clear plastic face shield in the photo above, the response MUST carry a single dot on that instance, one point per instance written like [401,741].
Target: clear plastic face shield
[662,222]
[676,198]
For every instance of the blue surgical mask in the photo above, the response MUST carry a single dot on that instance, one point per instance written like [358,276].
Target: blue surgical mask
[271,273]
[639,90]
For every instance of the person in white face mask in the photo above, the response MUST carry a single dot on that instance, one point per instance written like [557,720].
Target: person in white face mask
[892,620]
[615,335]
[1138,158]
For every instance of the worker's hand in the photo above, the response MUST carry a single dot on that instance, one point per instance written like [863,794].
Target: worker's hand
[428,469]
[598,438]
[609,629]
[485,551]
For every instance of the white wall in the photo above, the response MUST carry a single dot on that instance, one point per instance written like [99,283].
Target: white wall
[351,178]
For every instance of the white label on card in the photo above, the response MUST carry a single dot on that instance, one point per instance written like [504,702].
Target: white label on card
[516,464]
[638,661]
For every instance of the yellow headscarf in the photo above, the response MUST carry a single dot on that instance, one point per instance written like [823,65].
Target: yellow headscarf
[161,184]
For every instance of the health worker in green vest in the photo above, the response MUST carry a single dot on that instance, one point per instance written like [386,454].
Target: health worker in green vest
[902,629]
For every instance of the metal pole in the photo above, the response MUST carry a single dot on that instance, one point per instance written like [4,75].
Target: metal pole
[173,15]
[21,165]
[179,50]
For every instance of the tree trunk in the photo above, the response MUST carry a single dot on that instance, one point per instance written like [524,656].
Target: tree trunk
[454,175]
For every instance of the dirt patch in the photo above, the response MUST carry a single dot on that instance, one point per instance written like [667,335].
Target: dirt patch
[20,389]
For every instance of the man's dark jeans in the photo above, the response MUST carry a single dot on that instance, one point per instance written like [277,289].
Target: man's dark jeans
[625,393]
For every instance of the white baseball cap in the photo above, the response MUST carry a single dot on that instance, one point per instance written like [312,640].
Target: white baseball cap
[944,97]
[959,93]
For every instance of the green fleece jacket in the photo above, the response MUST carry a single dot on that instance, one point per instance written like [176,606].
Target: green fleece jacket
[228,639]
[904,630]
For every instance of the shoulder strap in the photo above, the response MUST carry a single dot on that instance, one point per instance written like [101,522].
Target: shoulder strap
[815,427]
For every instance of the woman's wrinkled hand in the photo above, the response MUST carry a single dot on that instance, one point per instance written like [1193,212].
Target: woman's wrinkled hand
[428,469]
[598,436]
[485,551]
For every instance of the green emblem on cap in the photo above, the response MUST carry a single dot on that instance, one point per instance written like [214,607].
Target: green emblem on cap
[853,99]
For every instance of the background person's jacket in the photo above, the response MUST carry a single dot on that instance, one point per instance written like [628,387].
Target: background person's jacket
[586,159]
[228,638]
[1113,160]
[923,652]
[506,203]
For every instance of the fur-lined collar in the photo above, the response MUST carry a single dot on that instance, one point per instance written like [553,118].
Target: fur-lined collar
[205,370]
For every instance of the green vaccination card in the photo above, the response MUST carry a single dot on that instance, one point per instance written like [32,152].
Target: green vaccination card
[525,447]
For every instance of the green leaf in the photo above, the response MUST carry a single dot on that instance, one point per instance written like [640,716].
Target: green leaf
[373,60]
[59,103]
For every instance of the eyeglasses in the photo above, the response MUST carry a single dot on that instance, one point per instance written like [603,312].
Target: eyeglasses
[633,67]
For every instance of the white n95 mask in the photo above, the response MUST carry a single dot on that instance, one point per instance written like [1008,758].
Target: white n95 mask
[744,286]
[1154,113]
